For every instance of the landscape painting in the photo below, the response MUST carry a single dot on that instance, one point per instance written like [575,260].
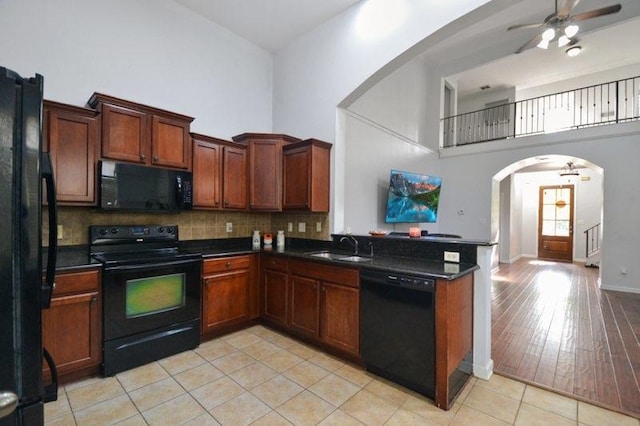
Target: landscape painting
[413,197]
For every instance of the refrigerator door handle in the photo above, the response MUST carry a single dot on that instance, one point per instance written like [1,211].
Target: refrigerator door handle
[50,391]
[47,175]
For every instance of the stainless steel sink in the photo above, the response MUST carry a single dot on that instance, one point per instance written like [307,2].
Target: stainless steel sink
[356,259]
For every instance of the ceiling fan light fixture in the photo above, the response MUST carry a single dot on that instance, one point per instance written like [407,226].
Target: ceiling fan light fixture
[563,41]
[573,51]
[544,44]
[571,30]
[549,34]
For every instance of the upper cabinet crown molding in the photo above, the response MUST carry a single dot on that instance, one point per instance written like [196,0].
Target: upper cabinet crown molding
[143,134]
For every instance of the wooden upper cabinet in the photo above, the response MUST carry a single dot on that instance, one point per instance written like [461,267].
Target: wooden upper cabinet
[265,169]
[219,173]
[142,134]
[306,171]
[71,136]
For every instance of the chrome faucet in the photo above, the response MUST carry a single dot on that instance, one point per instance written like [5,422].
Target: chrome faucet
[351,240]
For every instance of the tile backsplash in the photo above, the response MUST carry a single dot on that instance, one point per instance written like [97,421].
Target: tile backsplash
[193,225]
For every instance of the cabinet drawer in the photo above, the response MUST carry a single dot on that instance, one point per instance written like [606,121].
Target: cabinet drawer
[325,272]
[275,263]
[77,282]
[223,264]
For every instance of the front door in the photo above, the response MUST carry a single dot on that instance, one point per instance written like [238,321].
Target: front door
[555,223]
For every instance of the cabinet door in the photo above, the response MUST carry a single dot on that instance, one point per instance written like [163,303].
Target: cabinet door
[305,305]
[72,140]
[275,296]
[235,178]
[206,174]
[71,331]
[226,299]
[297,178]
[170,143]
[125,134]
[265,175]
[341,317]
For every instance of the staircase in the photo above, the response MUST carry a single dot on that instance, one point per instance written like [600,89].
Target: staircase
[593,246]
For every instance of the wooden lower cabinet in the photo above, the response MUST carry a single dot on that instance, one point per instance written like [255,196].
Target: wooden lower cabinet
[340,316]
[275,286]
[72,326]
[305,305]
[229,292]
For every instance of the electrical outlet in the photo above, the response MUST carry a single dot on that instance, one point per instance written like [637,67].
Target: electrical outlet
[289,227]
[302,227]
[451,256]
[60,232]
[229,227]
[318,226]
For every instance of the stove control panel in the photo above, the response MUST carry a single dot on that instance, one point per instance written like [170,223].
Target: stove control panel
[110,234]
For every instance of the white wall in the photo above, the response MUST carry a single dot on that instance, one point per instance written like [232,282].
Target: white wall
[587,207]
[478,101]
[150,51]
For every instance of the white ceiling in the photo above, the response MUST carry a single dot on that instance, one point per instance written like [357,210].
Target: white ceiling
[270,24]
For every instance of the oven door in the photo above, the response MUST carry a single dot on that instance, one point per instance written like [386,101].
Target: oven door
[142,298]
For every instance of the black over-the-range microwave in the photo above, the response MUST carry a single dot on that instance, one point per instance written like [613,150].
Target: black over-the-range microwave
[141,188]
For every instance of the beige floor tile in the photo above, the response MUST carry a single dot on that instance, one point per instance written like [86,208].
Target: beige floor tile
[174,412]
[549,401]
[156,393]
[403,417]
[142,376]
[204,419]
[468,416]
[261,331]
[281,341]
[271,419]
[277,391]
[369,408]
[253,375]
[261,349]
[355,375]
[327,362]
[503,385]
[389,390]
[340,418]
[94,393]
[241,410]
[306,374]
[217,392]
[528,415]
[305,409]
[107,412]
[596,416]
[492,403]
[136,420]
[81,383]
[303,351]
[215,349]
[466,389]
[198,376]
[233,362]
[282,360]
[426,408]
[57,408]
[334,389]
[64,420]
[241,339]
[181,362]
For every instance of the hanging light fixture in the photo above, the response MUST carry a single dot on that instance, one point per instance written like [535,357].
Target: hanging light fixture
[569,170]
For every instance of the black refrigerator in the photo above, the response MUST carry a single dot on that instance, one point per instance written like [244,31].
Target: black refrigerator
[23,293]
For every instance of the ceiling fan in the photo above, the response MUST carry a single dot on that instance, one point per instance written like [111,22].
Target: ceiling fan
[561,24]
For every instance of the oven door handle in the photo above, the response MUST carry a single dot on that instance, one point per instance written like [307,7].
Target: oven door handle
[139,267]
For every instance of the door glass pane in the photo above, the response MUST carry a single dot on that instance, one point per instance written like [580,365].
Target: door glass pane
[556,212]
[548,227]
[549,197]
[562,228]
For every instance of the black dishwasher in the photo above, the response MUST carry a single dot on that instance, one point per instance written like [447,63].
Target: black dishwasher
[397,328]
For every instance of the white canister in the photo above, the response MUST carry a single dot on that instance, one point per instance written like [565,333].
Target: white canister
[255,240]
[280,239]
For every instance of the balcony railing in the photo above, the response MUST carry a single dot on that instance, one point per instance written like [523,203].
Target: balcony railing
[601,104]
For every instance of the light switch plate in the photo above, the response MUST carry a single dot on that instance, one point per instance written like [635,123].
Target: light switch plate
[302,227]
[289,227]
[229,227]
[451,256]
[60,232]
[318,226]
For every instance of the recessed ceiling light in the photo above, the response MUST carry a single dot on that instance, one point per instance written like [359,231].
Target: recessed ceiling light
[573,51]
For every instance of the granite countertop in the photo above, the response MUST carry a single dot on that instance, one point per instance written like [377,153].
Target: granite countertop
[70,258]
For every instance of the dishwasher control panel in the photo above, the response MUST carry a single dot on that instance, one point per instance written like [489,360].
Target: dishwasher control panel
[410,281]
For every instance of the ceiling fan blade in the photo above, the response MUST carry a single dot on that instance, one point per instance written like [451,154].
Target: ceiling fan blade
[597,12]
[566,9]
[521,26]
[531,43]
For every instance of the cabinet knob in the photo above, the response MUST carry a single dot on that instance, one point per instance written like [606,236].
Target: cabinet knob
[216,202]
[206,281]
[226,202]
[53,286]
[94,299]
[228,264]
[143,157]
[155,158]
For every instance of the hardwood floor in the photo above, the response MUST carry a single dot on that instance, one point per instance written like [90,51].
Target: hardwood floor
[552,326]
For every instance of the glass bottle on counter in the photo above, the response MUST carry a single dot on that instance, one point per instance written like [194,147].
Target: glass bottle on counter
[280,239]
